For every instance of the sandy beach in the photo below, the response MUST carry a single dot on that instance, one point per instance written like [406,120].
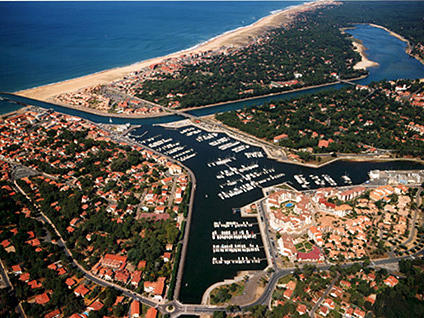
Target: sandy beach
[235,38]
[364,63]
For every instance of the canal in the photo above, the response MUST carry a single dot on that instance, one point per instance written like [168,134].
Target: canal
[199,272]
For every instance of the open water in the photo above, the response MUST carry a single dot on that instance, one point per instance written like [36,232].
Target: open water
[199,273]
[47,42]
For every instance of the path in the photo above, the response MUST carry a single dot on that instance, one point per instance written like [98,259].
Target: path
[414,218]
[312,312]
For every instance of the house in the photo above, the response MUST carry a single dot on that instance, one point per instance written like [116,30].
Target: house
[312,256]
[280,137]
[151,313]
[166,257]
[136,278]
[135,309]
[122,276]
[42,298]
[288,293]
[329,303]
[371,298]
[323,311]
[95,306]
[114,261]
[175,169]
[316,235]
[359,313]
[81,290]
[301,309]
[53,314]
[156,288]
[16,269]
[345,284]
[141,264]
[323,143]
[69,282]
[391,281]
[286,247]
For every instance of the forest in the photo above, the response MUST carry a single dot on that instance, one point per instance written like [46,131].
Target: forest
[402,17]
[350,120]
[309,52]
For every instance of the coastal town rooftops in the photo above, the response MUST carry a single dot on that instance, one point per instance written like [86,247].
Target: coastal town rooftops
[156,287]
[135,309]
[114,261]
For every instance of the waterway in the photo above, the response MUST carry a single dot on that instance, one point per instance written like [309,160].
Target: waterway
[199,272]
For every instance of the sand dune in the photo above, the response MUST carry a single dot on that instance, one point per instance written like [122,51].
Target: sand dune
[238,37]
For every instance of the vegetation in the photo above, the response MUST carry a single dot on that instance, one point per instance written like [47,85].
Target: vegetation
[225,293]
[402,17]
[351,120]
[401,301]
[33,262]
[308,52]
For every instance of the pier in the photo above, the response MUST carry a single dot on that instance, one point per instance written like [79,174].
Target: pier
[236,248]
[234,235]
[236,261]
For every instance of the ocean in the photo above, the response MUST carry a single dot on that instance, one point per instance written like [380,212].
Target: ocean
[50,42]
[47,42]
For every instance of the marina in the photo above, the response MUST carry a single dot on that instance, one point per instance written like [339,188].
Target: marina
[233,235]
[236,248]
[238,260]
[168,146]
[232,224]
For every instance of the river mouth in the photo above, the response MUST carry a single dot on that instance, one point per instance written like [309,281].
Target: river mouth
[199,272]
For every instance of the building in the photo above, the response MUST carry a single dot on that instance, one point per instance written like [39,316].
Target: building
[156,288]
[315,235]
[135,309]
[116,262]
[313,256]
[151,313]
[286,247]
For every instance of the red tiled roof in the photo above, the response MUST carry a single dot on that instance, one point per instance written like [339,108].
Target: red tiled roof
[151,313]
[52,314]
[135,308]
[42,299]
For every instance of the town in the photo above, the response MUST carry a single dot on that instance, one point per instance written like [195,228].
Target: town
[275,170]
[349,121]
[230,72]
[74,177]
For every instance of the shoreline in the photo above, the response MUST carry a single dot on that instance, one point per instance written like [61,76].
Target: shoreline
[157,115]
[364,63]
[408,49]
[234,38]
[359,47]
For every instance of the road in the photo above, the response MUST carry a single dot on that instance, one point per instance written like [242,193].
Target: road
[87,274]
[182,309]
[179,308]
[180,272]
[268,243]
[414,218]
[327,291]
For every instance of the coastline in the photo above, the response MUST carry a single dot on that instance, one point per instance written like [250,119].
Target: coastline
[234,38]
[364,63]
[162,114]
[408,49]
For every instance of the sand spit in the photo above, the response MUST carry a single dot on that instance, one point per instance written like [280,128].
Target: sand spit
[235,38]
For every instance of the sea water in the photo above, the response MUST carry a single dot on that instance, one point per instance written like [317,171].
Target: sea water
[47,42]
